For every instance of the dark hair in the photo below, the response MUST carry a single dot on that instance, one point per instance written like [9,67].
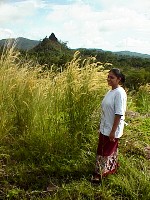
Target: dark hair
[118,74]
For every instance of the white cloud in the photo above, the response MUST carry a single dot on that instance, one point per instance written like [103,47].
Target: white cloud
[134,4]
[79,22]
[132,44]
[105,24]
[5,33]
[17,11]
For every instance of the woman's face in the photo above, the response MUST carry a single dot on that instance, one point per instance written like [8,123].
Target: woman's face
[113,80]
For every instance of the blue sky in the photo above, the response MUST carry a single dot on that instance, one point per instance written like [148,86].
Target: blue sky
[114,25]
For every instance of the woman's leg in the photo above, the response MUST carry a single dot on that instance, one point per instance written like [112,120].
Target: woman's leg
[106,164]
[106,159]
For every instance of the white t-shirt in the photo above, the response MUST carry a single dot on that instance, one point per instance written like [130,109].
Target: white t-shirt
[113,103]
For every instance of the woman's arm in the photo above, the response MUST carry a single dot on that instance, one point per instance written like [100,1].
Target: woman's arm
[114,128]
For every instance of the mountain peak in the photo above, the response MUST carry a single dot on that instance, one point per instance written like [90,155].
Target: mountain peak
[53,37]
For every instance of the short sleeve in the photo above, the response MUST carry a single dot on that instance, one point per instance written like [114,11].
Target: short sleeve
[120,103]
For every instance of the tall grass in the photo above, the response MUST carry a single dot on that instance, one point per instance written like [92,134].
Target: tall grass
[48,133]
[143,99]
[48,121]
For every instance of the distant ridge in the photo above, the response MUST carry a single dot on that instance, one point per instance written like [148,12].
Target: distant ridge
[133,54]
[20,42]
[27,44]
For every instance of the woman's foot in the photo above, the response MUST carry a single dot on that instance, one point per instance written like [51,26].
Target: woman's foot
[96,178]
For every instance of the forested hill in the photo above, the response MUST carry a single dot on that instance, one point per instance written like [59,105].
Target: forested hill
[50,51]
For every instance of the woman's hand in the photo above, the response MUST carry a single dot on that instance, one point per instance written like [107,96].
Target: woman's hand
[112,136]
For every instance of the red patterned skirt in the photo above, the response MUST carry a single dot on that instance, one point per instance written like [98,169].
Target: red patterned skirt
[107,153]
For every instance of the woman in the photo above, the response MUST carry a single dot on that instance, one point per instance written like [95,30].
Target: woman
[111,126]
